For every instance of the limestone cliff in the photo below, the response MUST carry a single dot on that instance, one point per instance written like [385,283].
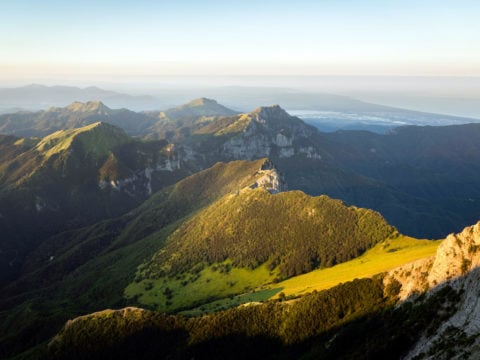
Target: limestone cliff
[455,264]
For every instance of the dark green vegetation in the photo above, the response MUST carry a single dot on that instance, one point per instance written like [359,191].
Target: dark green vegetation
[355,320]
[249,239]
[291,231]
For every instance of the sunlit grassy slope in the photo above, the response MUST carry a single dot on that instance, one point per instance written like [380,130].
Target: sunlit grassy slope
[214,287]
[100,138]
[188,290]
[383,257]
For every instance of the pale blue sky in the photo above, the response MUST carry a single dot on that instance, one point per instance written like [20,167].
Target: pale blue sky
[138,38]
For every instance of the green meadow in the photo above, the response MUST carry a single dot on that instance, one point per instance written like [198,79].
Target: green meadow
[222,286]
[383,257]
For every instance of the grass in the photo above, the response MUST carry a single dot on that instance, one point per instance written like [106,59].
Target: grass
[190,290]
[383,257]
[223,304]
[99,139]
[213,290]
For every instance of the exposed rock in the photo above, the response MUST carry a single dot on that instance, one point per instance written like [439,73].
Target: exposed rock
[455,264]
[271,180]
[457,255]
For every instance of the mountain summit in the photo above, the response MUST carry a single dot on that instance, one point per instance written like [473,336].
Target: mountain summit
[271,112]
[198,107]
[89,106]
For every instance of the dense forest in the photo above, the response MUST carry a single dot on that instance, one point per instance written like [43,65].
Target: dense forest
[292,231]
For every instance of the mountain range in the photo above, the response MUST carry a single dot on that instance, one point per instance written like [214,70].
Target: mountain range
[328,112]
[200,208]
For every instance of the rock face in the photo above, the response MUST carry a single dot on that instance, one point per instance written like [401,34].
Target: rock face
[455,264]
[271,132]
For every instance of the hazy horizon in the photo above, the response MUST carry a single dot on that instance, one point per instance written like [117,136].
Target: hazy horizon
[458,96]
[132,39]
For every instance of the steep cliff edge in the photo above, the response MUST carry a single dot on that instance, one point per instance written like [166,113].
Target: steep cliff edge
[456,264]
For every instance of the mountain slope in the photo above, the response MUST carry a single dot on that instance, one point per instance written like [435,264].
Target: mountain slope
[72,178]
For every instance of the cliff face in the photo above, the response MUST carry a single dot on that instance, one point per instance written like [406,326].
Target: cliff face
[457,256]
[455,264]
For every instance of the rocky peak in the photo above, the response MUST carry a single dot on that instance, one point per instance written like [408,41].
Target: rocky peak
[270,113]
[271,179]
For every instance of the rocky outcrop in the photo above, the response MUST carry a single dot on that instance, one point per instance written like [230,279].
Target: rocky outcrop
[271,180]
[455,264]
[456,256]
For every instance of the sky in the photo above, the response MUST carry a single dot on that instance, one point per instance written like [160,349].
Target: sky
[141,38]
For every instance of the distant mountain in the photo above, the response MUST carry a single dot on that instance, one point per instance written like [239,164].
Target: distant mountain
[197,108]
[142,124]
[35,97]
[75,115]
[434,164]
[177,122]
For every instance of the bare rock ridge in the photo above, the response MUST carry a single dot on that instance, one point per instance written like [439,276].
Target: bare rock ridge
[456,264]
